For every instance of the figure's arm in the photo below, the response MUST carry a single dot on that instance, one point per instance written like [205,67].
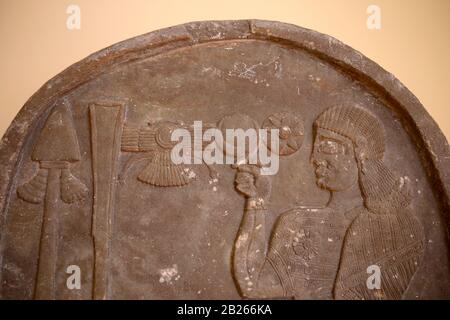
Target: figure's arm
[250,247]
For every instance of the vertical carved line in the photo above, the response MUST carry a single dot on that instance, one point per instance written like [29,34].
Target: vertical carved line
[106,130]
[48,252]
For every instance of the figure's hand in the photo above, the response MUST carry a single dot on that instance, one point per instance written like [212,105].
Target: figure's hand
[251,183]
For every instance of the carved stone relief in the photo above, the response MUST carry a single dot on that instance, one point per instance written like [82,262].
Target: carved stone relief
[88,179]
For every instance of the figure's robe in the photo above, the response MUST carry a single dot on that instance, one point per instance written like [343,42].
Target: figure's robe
[393,242]
[321,254]
[305,250]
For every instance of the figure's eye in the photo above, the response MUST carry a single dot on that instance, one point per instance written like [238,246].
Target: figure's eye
[330,147]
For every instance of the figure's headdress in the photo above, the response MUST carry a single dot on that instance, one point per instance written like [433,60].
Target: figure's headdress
[382,190]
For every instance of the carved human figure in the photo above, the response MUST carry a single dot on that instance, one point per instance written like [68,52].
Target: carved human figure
[324,253]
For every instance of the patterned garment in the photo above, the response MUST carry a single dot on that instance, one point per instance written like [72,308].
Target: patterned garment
[393,242]
[305,250]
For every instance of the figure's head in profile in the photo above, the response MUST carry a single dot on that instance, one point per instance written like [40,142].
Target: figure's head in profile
[349,146]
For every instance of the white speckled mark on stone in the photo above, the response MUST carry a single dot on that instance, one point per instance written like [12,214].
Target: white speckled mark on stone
[169,274]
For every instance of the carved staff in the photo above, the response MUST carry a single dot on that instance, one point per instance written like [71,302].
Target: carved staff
[56,149]
[106,130]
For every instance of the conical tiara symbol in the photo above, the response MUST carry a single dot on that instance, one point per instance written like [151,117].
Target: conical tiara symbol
[56,150]
[57,147]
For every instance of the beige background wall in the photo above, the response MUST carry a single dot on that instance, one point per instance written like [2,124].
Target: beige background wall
[413,42]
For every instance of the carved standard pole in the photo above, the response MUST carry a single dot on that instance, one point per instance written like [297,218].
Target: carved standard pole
[56,148]
[48,252]
[106,130]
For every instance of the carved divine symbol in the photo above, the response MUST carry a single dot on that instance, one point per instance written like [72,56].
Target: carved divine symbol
[55,150]
[367,221]
[106,127]
[304,246]
[155,139]
[233,122]
[291,131]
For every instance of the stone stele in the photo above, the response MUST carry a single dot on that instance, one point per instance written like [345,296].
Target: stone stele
[92,206]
